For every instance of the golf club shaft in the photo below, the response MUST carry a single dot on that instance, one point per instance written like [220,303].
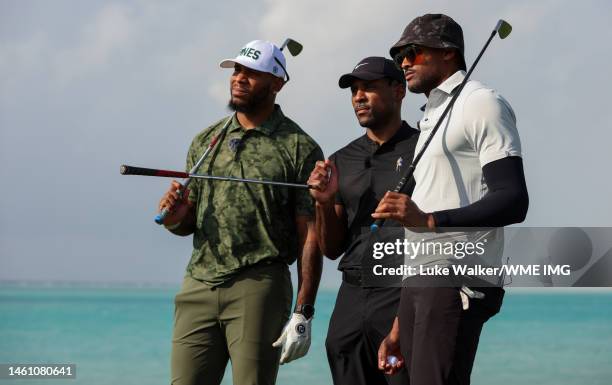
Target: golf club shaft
[248,180]
[404,179]
[159,218]
[131,170]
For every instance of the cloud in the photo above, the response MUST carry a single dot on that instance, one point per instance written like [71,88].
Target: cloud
[109,35]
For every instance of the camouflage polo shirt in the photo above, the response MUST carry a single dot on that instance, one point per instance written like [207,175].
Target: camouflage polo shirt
[240,224]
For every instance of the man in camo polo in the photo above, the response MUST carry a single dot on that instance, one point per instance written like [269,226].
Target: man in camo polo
[237,293]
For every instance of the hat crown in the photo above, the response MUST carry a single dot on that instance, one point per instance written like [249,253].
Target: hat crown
[371,68]
[434,30]
[260,55]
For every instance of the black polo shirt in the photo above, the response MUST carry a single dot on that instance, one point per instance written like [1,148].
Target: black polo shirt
[367,171]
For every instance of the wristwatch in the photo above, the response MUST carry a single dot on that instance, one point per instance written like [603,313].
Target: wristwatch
[307,310]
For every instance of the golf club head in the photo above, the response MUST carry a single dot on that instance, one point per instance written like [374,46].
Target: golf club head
[503,29]
[294,47]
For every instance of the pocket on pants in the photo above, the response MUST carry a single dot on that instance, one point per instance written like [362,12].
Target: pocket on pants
[266,303]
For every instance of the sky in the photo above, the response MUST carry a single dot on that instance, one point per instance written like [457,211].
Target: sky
[88,86]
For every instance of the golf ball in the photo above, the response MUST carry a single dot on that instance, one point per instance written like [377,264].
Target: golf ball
[392,360]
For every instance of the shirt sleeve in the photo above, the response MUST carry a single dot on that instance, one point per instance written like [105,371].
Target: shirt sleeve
[304,203]
[490,126]
[505,203]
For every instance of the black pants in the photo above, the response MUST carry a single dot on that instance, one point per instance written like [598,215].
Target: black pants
[361,319]
[438,338]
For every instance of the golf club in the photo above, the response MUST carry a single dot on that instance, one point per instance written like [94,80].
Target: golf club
[159,219]
[131,170]
[503,29]
[293,46]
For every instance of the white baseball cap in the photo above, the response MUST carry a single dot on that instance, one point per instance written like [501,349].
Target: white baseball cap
[260,55]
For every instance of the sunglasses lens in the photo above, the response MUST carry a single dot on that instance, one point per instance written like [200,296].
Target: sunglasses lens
[399,59]
[410,52]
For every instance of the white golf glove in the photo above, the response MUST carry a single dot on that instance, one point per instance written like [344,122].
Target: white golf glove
[295,338]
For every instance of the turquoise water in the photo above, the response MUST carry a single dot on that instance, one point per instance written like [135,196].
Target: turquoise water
[122,336]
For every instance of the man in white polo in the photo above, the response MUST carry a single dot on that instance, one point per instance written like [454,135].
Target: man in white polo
[470,175]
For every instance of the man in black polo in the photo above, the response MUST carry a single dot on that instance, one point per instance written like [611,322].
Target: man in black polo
[350,185]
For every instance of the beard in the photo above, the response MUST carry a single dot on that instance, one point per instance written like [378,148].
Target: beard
[251,103]
[422,84]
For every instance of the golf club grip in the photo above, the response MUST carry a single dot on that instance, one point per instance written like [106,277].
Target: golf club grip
[131,170]
[398,189]
[159,218]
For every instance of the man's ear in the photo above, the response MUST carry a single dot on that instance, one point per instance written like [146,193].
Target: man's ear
[277,84]
[450,55]
[399,90]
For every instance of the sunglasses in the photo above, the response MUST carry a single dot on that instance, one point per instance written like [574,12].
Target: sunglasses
[410,52]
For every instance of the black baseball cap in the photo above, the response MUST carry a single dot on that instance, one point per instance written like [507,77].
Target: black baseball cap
[433,30]
[372,68]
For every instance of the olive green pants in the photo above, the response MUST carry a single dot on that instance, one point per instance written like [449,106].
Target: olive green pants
[238,320]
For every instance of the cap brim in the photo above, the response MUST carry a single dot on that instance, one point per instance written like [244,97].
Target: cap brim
[404,42]
[434,43]
[229,63]
[347,79]
[396,47]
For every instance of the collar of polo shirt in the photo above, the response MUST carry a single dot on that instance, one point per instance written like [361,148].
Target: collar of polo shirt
[449,85]
[267,127]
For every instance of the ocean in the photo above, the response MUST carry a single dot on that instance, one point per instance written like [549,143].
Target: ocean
[122,336]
